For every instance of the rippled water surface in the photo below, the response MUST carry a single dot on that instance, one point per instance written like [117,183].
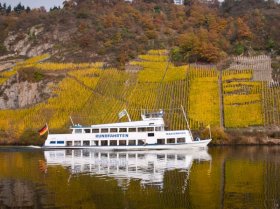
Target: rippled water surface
[231,177]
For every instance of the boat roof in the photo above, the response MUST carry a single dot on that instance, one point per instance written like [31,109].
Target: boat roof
[131,124]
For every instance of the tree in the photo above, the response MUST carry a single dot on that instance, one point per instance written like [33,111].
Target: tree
[69,4]
[28,9]
[9,9]
[19,8]
[55,8]
[243,31]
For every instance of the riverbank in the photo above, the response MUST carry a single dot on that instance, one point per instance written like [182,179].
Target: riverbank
[242,136]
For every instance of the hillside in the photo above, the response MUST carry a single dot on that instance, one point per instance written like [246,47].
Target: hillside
[91,59]
[116,31]
[92,94]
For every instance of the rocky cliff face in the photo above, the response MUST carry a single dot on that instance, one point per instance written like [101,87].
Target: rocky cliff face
[16,93]
[34,41]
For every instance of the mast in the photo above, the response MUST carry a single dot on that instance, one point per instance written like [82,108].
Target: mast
[188,126]
[128,116]
[71,120]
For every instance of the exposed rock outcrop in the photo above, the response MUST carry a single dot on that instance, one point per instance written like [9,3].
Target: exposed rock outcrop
[34,41]
[17,93]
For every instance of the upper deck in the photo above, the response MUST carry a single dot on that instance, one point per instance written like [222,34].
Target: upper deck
[150,121]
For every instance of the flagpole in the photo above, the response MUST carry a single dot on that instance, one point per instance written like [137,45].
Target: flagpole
[210,132]
[48,128]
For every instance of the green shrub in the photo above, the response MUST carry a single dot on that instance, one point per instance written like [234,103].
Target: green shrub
[38,76]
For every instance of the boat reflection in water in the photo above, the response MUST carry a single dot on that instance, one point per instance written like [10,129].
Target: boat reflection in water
[147,166]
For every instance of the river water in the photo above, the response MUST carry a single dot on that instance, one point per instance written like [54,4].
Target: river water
[220,177]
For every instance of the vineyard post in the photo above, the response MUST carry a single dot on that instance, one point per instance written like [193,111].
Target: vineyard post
[221,97]
[222,65]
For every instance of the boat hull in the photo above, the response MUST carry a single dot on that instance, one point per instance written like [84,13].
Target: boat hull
[193,144]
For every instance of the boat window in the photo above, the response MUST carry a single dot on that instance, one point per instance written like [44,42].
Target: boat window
[113,130]
[85,143]
[171,157]
[95,130]
[170,140]
[113,155]
[131,142]
[132,130]
[104,155]
[87,130]
[161,157]
[78,131]
[69,143]
[122,155]
[60,142]
[143,129]
[132,155]
[158,128]
[181,140]
[77,168]
[150,128]
[122,168]
[132,169]
[123,130]
[160,141]
[122,142]
[113,168]
[104,130]
[113,143]
[86,153]
[141,141]
[52,142]
[151,134]
[77,143]
[154,115]
[181,157]
[140,156]
[77,153]
[104,143]
[86,167]
[147,115]
[68,152]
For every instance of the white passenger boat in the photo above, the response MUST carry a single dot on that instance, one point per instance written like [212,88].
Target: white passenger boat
[149,133]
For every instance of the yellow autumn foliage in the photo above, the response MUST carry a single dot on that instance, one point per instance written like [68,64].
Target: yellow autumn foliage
[237,75]
[4,76]
[242,99]
[204,97]
[243,115]
[93,95]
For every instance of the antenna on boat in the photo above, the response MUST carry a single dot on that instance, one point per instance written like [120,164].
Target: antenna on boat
[128,116]
[71,120]
[186,119]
